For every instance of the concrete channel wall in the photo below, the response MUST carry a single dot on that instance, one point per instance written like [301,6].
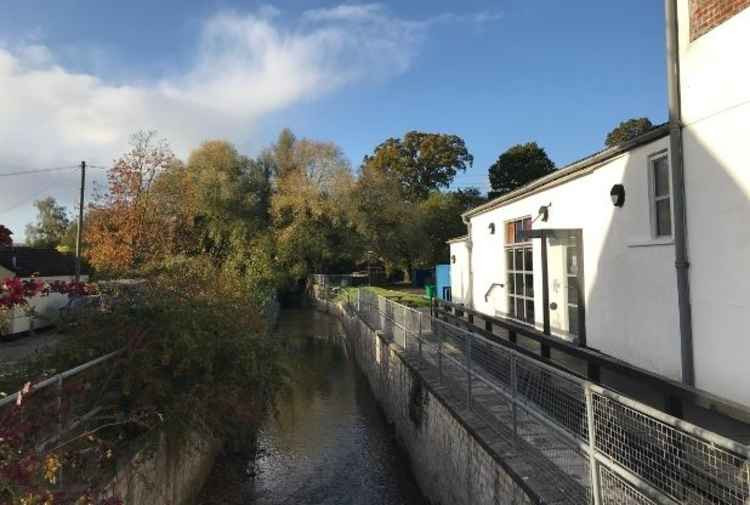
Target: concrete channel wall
[450,448]
[171,474]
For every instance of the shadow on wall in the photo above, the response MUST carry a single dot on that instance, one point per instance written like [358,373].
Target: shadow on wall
[632,310]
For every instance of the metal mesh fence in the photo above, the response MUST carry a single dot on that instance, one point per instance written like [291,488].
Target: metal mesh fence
[556,395]
[683,466]
[639,456]
[616,491]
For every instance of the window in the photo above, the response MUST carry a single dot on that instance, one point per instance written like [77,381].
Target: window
[519,263]
[661,196]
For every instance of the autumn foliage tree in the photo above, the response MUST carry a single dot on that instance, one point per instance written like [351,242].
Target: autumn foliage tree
[124,231]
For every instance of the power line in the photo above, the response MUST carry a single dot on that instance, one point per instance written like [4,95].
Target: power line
[38,171]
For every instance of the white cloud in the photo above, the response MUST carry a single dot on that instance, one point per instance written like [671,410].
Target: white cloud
[247,66]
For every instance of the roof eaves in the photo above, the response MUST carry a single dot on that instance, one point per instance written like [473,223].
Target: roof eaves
[455,240]
[592,161]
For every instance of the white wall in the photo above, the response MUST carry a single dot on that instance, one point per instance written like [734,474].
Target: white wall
[715,78]
[459,271]
[630,289]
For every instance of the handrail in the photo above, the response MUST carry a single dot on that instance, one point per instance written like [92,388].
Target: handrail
[62,375]
[673,389]
[492,286]
[617,429]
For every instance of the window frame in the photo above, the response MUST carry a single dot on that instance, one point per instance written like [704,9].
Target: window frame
[514,247]
[653,198]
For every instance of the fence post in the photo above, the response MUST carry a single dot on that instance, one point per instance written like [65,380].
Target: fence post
[419,332]
[359,299]
[60,420]
[59,391]
[406,334]
[440,361]
[514,391]
[596,490]
[468,370]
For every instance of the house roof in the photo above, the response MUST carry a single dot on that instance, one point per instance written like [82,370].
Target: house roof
[28,261]
[462,238]
[572,170]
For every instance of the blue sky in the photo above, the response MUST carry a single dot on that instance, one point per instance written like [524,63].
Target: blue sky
[76,77]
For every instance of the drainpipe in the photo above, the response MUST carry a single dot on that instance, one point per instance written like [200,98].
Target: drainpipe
[469,301]
[676,159]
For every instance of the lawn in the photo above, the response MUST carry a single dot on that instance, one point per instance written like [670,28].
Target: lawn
[409,298]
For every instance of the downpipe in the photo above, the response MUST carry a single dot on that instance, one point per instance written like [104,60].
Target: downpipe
[676,159]
[469,245]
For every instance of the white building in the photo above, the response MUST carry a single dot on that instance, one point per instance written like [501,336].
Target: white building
[47,265]
[611,281]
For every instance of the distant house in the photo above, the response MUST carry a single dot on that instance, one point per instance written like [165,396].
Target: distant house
[45,264]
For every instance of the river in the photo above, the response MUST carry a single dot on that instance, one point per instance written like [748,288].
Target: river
[328,443]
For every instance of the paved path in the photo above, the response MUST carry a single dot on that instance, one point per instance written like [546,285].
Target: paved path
[25,346]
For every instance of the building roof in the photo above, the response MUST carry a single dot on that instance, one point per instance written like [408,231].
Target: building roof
[28,261]
[572,170]
[462,238]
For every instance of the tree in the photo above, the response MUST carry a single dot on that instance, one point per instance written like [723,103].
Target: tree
[51,224]
[310,208]
[6,237]
[422,162]
[283,152]
[124,229]
[228,197]
[518,166]
[469,198]
[386,219]
[628,130]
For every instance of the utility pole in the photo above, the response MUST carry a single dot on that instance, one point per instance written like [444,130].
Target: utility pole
[79,232]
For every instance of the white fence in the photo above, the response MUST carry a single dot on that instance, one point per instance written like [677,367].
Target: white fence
[594,445]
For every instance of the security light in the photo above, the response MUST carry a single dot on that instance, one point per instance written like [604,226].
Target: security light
[617,193]
[544,212]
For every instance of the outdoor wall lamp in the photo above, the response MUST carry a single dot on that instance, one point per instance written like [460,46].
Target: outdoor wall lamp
[617,193]
[544,212]
[492,228]
[453,258]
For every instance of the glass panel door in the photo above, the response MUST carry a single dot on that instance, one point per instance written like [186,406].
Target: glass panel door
[564,277]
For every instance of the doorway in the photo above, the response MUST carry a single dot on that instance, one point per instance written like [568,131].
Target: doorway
[563,299]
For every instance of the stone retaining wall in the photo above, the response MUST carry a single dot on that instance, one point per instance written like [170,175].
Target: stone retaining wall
[450,458]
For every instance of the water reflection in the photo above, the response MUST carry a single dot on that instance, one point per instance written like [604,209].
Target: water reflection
[328,443]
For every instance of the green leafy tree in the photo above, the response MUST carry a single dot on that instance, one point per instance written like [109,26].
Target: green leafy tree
[51,224]
[422,162]
[468,198]
[311,210]
[518,166]
[221,198]
[386,219]
[628,130]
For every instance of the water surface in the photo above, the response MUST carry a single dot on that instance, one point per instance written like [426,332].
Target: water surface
[329,443]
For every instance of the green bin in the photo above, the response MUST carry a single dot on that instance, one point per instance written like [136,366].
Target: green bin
[429,290]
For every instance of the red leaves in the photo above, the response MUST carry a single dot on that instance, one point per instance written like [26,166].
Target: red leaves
[15,291]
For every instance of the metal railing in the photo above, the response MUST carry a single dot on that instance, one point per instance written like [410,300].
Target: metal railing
[63,411]
[335,280]
[592,444]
